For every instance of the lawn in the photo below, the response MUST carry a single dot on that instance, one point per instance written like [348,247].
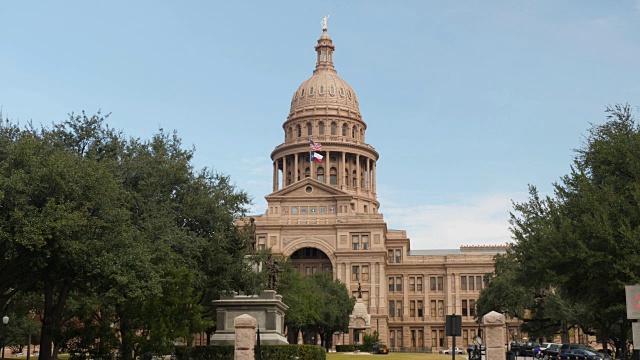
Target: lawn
[390,356]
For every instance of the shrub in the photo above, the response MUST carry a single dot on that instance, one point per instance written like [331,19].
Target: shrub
[269,352]
[345,348]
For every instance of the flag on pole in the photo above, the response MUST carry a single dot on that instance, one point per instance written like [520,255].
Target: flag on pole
[315,146]
[316,157]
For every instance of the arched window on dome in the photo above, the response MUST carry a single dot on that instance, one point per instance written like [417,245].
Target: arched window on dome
[289,133]
[302,92]
[353,132]
[321,91]
[311,90]
[307,173]
[309,129]
[299,129]
[354,179]
[333,176]
[344,129]
[334,128]
[362,134]
[320,174]
[348,94]
[332,90]
[341,91]
[321,128]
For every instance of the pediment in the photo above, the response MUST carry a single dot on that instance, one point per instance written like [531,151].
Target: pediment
[308,188]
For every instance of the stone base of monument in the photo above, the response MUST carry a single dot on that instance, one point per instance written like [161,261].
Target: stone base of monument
[267,308]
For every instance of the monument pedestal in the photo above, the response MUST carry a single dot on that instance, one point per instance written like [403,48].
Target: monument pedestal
[267,308]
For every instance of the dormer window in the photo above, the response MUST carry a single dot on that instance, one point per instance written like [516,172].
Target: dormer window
[349,94]
[332,90]
[341,91]
[321,92]
[302,92]
[311,90]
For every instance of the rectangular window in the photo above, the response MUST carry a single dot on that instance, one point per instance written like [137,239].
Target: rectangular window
[441,338]
[471,284]
[365,273]
[420,338]
[440,283]
[464,308]
[355,240]
[432,284]
[399,284]
[472,307]
[463,283]
[399,337]
[365,242]
[434,338]
[398,256]
[440,308]
[413,338]
[465,337]
[355,273]
[412,284]
[412,308]
[478,283]
[433,308]
[392,338]
[308,270]
[420,307]
[390,256]
[391,284]
[392,312]
[399,308]
[419,283]
[262,242]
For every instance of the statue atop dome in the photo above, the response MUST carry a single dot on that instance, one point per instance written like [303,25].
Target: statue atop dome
[324,21]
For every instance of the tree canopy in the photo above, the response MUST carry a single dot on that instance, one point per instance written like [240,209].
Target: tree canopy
[115,233]
[574,252]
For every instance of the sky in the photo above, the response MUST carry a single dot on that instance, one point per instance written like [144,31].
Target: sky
[467,102]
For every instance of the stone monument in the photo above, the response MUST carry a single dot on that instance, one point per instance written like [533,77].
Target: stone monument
[494,329]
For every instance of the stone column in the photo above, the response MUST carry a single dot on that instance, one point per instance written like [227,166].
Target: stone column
[275,175]
[494,323]
[295,168]
[284,171]
[245,337]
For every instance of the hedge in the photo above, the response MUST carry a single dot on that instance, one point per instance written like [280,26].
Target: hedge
[269,352]
[345,348]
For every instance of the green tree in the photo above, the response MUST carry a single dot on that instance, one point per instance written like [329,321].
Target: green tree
[583,244]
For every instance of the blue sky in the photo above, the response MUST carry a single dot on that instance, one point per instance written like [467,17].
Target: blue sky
[467,102]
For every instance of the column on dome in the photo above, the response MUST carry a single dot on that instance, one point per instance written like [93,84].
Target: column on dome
[342,172]
[285,176]
[358,165]
[368,180]
[375,171]
[327,167]
[295,168]
[275,175]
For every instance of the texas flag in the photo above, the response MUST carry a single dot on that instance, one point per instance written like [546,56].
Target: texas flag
[316,157]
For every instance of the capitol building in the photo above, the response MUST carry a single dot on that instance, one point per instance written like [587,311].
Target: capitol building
[324,214]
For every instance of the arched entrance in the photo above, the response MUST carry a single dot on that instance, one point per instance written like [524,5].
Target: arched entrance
[308,261]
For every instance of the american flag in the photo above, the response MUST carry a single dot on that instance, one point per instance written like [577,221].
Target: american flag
[315,146]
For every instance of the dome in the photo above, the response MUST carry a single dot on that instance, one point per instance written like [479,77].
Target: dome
[325,87]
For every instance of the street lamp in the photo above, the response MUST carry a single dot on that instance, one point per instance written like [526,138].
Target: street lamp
[5,321]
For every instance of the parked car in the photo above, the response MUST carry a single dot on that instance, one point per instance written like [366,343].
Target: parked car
[380,348]
[581,354]
[551,352]
[457,350]
[516,347]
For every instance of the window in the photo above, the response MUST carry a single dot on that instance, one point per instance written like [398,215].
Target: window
[441,338]
[307,173]
[420,307]
[321,90]
[360,241]
[436,283]
[333,176]
[412,308]
[398,284]
[309,129]
[440,283]
[344,129]
[391,284]
[399,308]
[412,284]
[392,334]
[353,132]
[390,256]
[434,338]
[332,90]
[320,128]
[471,283]
[463,283]
[432,284]
[311,90]
[472,308]
[334,128]
[478,283]
[320,174]
[365,273]
[441,308]
[262,242]
[355,273]
[433,309]
[398,256]
[419,284]
[415,308]
[392,312]
[299,129]
[465,311]
[417,338]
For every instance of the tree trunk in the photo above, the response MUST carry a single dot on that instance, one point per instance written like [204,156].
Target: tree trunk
[126,336]
[52,314]
[564,335]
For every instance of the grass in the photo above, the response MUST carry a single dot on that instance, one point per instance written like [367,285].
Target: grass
[390,356]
